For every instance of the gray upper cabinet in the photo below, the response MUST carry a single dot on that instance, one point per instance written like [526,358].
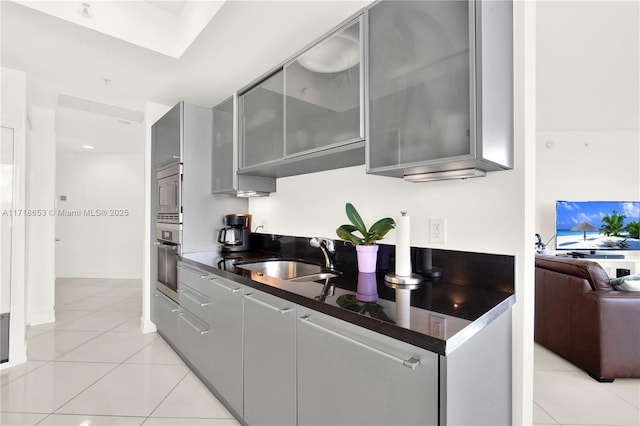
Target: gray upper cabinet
[262,122]
[322,94]
[309,115]
[224,156]
[440,87]
[167,137]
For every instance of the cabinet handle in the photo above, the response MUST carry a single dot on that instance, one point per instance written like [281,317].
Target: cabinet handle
[232,290]
[185,319]
[194,271]
[249,296]
[411,363]
[185,293]
[166,304]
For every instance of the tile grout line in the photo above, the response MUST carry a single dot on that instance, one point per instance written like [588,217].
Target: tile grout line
[168,393]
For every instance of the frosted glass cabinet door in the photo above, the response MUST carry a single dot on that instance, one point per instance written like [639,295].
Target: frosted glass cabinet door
[419,82]
[222,167]
[262,122]
[167,136]
[322,88]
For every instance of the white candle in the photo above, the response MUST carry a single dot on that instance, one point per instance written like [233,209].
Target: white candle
[403,246]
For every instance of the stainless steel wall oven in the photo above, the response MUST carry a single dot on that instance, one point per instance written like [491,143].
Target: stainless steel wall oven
[169,237]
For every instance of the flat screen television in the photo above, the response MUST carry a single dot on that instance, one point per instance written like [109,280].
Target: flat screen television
[597,225]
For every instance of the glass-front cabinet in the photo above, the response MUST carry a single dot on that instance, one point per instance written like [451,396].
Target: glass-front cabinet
[262,122]
[440,86]
[309,115]
[223,158]
[418,81]
[322,93]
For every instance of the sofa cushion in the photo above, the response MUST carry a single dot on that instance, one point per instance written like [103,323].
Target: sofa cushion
[626,283]
[583,268]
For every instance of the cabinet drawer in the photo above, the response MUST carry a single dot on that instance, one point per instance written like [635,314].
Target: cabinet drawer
[194,341]
[195,302]
[166,313]
[195,278]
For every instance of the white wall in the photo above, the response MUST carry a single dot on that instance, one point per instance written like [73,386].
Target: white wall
[478,212]
[15,112]
[41,157]
[588,136]
[105,246]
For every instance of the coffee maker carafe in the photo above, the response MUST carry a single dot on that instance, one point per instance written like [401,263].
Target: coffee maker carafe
[235,235]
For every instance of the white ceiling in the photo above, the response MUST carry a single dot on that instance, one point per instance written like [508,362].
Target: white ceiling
[240,43]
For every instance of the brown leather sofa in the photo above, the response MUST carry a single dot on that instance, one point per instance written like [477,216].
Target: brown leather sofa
[579,316]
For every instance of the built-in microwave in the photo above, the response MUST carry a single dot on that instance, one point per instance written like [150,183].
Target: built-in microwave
[169,194]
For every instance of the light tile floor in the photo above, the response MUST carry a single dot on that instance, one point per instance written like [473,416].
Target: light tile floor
[565,395]
[94,366]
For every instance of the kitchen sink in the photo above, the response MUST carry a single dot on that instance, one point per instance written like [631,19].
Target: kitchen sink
[289,270]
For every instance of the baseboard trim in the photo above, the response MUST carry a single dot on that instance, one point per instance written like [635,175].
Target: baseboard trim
[147,326]
[43,317]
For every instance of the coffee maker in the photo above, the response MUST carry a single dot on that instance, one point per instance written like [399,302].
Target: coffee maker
[235,235]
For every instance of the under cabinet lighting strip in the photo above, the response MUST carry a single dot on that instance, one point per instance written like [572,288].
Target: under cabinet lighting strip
[449,174]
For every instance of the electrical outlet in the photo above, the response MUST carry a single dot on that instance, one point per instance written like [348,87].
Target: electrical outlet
[437,230]
[437,326]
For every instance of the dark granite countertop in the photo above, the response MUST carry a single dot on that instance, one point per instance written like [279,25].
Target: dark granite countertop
[466,309]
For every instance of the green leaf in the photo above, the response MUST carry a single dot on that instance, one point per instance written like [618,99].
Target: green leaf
[382,227]
[354,217]
[345,233]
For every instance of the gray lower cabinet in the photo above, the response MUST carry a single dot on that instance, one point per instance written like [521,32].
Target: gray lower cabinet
[348,375]
[269,360]
[165,316]
[225,365]
[194,325]
[193,340]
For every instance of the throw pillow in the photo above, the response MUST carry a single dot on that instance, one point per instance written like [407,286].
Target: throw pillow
[627,283]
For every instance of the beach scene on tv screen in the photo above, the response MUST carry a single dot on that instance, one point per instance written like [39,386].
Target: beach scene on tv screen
[597,225]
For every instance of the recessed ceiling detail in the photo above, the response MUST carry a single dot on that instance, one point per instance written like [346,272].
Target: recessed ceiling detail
[167,27]
[87,105]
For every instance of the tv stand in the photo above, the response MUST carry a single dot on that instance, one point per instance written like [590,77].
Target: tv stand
[591,255]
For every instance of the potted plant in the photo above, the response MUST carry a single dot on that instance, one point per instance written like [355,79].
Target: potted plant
[365,242]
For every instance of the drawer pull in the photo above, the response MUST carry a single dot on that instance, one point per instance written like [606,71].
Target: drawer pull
[249,296]
[411,363]
[195,327]
[198,302]
[194,271]
[166,303]
[232,290]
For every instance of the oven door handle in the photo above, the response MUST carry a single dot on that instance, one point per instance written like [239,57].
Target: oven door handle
[173,247]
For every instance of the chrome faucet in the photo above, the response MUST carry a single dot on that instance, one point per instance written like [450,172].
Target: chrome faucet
[328,250]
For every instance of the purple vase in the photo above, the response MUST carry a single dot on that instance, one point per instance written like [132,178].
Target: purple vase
[367,257]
